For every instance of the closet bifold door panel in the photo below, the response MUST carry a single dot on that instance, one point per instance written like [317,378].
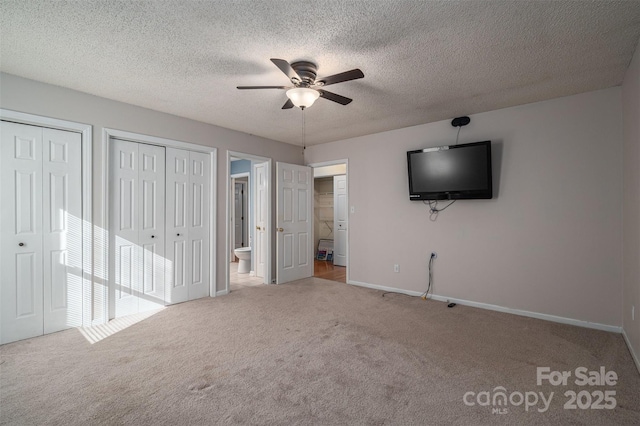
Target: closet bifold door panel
[41,231]
[137,223]
[62,229]
[177,214]
[188,228]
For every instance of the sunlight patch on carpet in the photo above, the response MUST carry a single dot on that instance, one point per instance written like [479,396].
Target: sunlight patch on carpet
[96,333]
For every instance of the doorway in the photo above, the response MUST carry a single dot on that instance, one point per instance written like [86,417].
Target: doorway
[248,217]
[331,221]
[240,213]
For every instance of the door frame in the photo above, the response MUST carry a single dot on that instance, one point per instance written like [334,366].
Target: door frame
[232,201]
[86,131]
[344,161]
[107,135]
[268,166]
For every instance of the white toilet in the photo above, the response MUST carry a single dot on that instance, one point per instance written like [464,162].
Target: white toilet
[244,256]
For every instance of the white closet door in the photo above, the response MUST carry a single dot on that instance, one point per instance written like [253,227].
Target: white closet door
[41,231]
[21,232]
[62,229]
[188,227]
[199,226]
[151,238]
[177,215]
[137,227]
[125,271]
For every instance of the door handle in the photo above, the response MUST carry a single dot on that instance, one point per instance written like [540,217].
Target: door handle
[153,236]
[21,244]
[280,229]
[178,235]
[258,228]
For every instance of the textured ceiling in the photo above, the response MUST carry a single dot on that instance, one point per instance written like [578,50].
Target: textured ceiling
[423,61]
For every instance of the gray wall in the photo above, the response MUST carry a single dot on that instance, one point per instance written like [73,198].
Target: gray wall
[550,242]
[33,97]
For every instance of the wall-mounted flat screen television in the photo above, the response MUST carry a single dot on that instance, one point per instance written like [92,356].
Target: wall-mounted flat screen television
[454,172]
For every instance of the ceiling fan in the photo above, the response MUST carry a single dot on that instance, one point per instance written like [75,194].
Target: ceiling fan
[306,87]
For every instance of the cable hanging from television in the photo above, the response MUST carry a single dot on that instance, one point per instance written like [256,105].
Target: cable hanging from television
[433,208]
[459,122]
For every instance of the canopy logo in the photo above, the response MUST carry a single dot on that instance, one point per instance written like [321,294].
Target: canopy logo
[499,400]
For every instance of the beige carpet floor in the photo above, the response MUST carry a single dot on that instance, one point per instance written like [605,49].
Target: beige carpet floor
[313,352]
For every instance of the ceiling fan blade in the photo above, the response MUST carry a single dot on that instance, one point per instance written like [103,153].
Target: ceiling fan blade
[335,98]
[343,76]
[288,104]
[261,87]
[285,67]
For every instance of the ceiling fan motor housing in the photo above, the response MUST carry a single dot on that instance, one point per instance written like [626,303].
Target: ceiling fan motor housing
[307,72]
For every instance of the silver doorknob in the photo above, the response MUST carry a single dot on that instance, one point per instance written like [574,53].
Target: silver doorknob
[21,244]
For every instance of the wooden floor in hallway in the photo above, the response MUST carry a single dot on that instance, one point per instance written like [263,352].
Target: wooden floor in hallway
[328,271]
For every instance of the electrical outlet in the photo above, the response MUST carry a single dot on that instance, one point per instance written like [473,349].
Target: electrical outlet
[396,268]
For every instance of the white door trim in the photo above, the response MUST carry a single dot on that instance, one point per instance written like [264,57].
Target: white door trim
[107,134]
[344,161]
[232,201]
[340,220]
[86,130]
[268,162]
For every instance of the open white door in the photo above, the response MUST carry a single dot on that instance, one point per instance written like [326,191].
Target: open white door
[294,224]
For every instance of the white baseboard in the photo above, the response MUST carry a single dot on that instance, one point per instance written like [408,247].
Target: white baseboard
[546,317]
[383,288]
[633,354]
[221,292]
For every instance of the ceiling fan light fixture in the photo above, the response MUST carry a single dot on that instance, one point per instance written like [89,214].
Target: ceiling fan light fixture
[303,97]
